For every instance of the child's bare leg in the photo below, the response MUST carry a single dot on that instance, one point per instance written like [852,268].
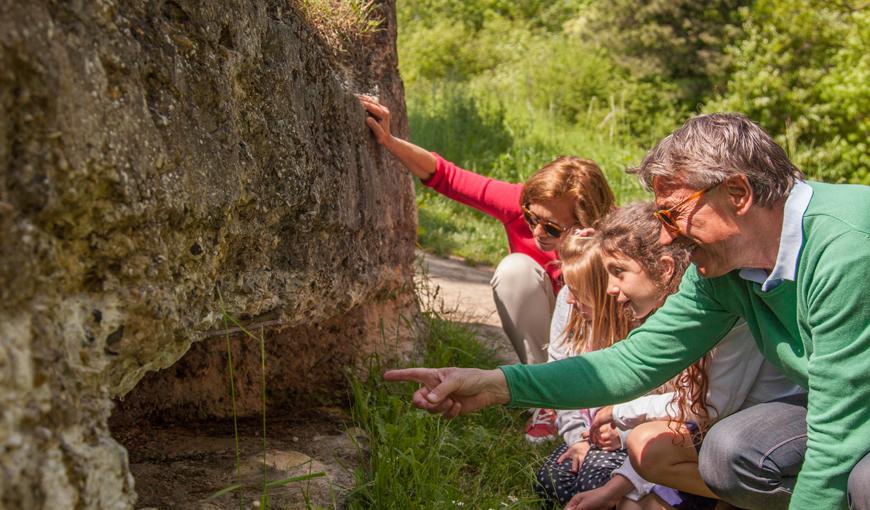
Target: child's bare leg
[668,458]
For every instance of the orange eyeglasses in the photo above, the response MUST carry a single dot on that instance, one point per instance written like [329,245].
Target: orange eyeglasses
[666,216]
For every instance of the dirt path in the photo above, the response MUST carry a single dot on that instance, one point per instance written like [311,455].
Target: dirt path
[462,294]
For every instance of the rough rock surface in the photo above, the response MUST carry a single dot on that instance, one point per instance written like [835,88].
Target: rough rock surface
[151,153]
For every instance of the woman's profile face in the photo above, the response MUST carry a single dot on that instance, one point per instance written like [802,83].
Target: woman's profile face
[559,212]
[631,285]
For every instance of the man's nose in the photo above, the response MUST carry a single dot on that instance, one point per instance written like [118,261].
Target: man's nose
[667,236]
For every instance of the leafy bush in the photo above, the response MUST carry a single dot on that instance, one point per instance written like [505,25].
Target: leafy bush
[802,74]
[678,42]
[447,118]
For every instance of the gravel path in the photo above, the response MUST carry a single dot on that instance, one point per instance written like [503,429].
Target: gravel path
[461,293]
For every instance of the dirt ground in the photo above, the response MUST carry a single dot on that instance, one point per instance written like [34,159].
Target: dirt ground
[182,465]
[462,294]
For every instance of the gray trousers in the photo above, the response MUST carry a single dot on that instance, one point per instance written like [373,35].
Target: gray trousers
[524,299]
[751,459]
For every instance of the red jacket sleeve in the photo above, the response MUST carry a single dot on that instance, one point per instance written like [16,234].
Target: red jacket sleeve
[498,199]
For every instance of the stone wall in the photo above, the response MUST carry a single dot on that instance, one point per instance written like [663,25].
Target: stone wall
[162,162]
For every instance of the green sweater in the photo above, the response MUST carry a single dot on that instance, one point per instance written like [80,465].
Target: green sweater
[815,329]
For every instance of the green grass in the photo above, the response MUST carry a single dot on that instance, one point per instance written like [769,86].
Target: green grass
[420,461]
[506,143]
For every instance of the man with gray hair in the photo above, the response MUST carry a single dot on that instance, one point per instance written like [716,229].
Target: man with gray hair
[790,257]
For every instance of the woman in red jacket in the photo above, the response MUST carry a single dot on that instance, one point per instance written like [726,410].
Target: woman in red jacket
[568,192]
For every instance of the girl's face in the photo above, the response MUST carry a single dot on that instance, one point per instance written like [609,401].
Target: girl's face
[581,308]
[631,285]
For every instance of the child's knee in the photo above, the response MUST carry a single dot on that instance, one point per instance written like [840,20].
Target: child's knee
[642,452]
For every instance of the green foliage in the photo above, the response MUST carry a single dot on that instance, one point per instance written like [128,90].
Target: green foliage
[447,118]
[418,461]
[472,15]
[501,87]
[678,42]
[802,73]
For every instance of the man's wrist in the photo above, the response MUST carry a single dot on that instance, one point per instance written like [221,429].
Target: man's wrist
[496,383]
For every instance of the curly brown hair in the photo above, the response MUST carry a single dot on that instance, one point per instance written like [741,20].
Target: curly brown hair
[632,231]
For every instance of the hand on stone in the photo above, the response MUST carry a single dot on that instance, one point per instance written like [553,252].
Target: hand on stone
[454,391]
[378,120]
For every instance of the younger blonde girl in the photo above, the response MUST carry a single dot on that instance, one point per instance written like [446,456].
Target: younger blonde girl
[585,319]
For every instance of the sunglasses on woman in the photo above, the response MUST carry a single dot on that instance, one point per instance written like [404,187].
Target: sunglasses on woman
[550,228]
[667,216]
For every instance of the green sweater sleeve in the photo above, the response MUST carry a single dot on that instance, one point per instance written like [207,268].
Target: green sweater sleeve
[837,308]
[689,324]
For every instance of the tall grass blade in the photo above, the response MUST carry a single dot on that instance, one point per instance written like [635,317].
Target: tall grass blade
[292,479]
[226,490]
[227,317]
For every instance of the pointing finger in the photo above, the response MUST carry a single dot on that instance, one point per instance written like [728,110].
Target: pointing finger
[425,376]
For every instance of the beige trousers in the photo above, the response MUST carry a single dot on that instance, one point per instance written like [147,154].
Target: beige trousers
[524,299]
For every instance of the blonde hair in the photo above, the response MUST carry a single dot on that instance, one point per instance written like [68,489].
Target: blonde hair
[584,273]
[578,179]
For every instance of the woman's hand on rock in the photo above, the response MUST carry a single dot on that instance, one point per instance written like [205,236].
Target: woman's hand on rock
[418,160]
[378,120]
[454,391]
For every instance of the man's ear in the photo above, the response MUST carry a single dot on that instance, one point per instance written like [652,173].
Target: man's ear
[739,194]
[666,262]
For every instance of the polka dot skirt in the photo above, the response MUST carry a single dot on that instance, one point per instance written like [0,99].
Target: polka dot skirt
[558,484]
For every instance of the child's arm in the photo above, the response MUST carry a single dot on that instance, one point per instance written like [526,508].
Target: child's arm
[558,347]
[571,423]
[607,496]
[643,409]
[639,486]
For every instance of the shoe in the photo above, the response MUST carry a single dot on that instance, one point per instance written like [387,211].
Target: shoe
[542,426]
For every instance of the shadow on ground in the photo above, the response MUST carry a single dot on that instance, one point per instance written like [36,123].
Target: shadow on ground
[180,465]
